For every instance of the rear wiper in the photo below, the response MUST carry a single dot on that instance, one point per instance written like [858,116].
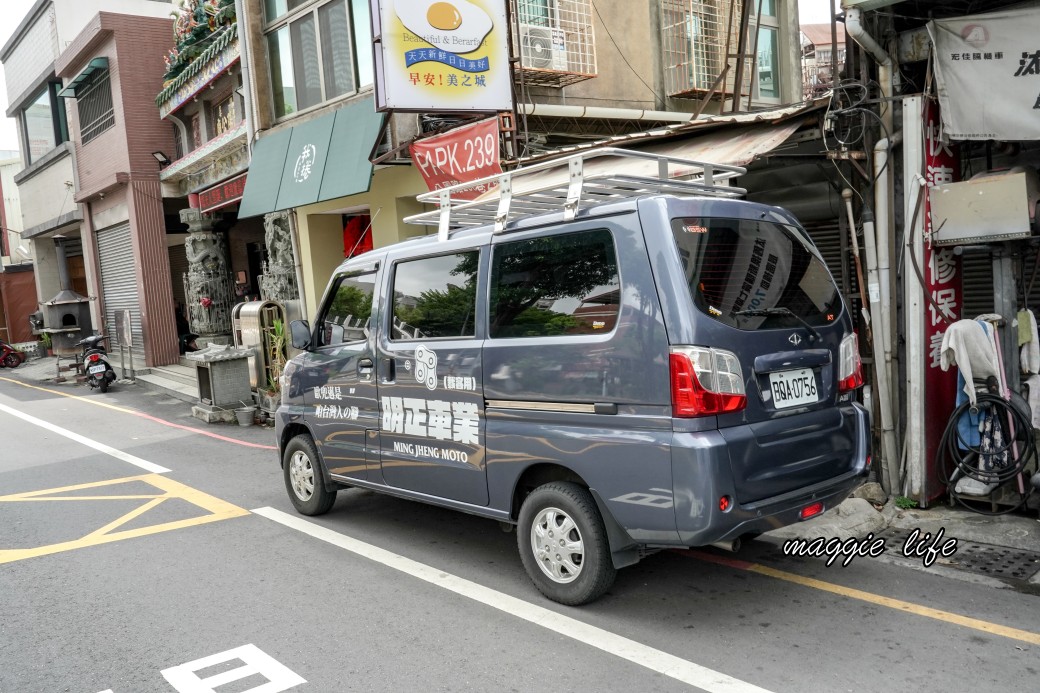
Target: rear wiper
[785,312]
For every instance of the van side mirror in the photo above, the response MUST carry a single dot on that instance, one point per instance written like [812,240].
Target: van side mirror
[300,334]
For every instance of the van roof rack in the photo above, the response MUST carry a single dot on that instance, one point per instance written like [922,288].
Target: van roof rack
[537,189]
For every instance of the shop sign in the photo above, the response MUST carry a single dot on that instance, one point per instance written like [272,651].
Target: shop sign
[463,154]
[442,56]
[941,269]
[209,72]
[223,194]
[997,55]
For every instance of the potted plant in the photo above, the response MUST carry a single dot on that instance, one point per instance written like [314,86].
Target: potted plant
[275,340]
[45,348]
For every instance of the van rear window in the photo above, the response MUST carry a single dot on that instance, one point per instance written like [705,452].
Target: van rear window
[737,269]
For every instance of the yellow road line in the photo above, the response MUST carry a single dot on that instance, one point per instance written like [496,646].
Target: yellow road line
[133,412]
[88,400]
[215,509]
[870,597]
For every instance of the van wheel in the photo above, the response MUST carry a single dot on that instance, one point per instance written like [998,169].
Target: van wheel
[563,544]
[303,480]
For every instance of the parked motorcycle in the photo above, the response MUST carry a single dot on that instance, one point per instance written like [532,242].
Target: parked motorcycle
[95,362]
[9,356]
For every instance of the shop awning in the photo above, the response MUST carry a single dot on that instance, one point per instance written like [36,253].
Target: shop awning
[734,145]
[319,160]
[69,92]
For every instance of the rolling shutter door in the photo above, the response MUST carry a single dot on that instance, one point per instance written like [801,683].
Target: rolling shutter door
[119,287]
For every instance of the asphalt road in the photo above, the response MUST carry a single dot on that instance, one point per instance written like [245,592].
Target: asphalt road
[142,550]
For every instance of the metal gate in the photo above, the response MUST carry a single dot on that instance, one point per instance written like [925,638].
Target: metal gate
[119,288]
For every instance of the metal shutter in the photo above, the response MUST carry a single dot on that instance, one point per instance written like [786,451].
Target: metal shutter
[119,287]
[977,278]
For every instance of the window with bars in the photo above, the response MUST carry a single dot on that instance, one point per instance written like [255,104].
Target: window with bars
[699,38]
[555,41]
[94,105]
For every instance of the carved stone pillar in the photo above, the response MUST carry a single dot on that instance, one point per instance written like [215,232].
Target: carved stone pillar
[278,282]
[207,285]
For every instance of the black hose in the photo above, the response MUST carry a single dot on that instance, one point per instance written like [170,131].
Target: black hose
[955,454]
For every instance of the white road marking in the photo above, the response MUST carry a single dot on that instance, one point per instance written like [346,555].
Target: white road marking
[254,661]
[637,653]
[100,447]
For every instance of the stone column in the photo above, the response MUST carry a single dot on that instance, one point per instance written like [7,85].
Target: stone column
[207,285]
[278,282]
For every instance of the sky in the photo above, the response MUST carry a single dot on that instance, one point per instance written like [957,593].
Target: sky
[13,11]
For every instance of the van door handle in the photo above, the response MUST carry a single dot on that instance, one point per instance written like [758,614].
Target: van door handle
[364,366]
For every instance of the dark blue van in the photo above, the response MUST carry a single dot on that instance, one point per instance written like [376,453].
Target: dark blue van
[652,370]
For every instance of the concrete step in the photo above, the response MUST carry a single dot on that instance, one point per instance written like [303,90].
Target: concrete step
[175,371]
[177,380]
[177,389]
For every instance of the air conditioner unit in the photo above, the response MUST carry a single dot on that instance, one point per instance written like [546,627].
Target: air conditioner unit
[543,47]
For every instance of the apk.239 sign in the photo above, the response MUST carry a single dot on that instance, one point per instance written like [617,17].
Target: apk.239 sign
[463,154]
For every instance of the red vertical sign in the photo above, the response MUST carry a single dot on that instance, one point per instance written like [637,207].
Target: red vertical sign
[942,271]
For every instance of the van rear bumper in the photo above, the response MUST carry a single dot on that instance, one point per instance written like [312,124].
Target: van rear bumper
[702,475]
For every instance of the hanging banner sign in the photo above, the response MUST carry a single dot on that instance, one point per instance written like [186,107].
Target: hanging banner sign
[223,194]
[463,154]
[998,52]
[442,56]
[943,285]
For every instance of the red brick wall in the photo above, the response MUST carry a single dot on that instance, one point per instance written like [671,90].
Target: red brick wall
[134,47]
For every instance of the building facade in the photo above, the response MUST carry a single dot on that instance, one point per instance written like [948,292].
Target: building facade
[49,180]
[581,71]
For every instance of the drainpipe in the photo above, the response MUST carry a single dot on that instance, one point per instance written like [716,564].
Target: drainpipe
[297,265]
[888,75]
[883,205]
[561,111]
[244,60]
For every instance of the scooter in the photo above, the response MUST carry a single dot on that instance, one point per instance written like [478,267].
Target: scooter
[9,356]
[95,362]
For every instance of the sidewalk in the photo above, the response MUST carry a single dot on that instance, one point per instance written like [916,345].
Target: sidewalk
[858,516]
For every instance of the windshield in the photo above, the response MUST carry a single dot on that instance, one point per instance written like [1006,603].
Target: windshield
[754,274]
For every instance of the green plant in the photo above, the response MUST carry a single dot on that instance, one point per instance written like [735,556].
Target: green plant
[45,340]
[904,503]
[276,342]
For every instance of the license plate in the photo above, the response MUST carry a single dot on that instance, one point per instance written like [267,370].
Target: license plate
[793,388]
[97,369]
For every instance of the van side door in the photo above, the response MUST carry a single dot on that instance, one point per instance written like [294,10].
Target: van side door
[430,388]
[338,373]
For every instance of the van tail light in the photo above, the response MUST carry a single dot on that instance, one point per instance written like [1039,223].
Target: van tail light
[850,366]
[705,382]
[810,511]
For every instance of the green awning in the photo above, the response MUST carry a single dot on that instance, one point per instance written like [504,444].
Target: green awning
[69,92]
[319,160]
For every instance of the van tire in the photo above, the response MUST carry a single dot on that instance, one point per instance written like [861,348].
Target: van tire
[301,468]
[571,507]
